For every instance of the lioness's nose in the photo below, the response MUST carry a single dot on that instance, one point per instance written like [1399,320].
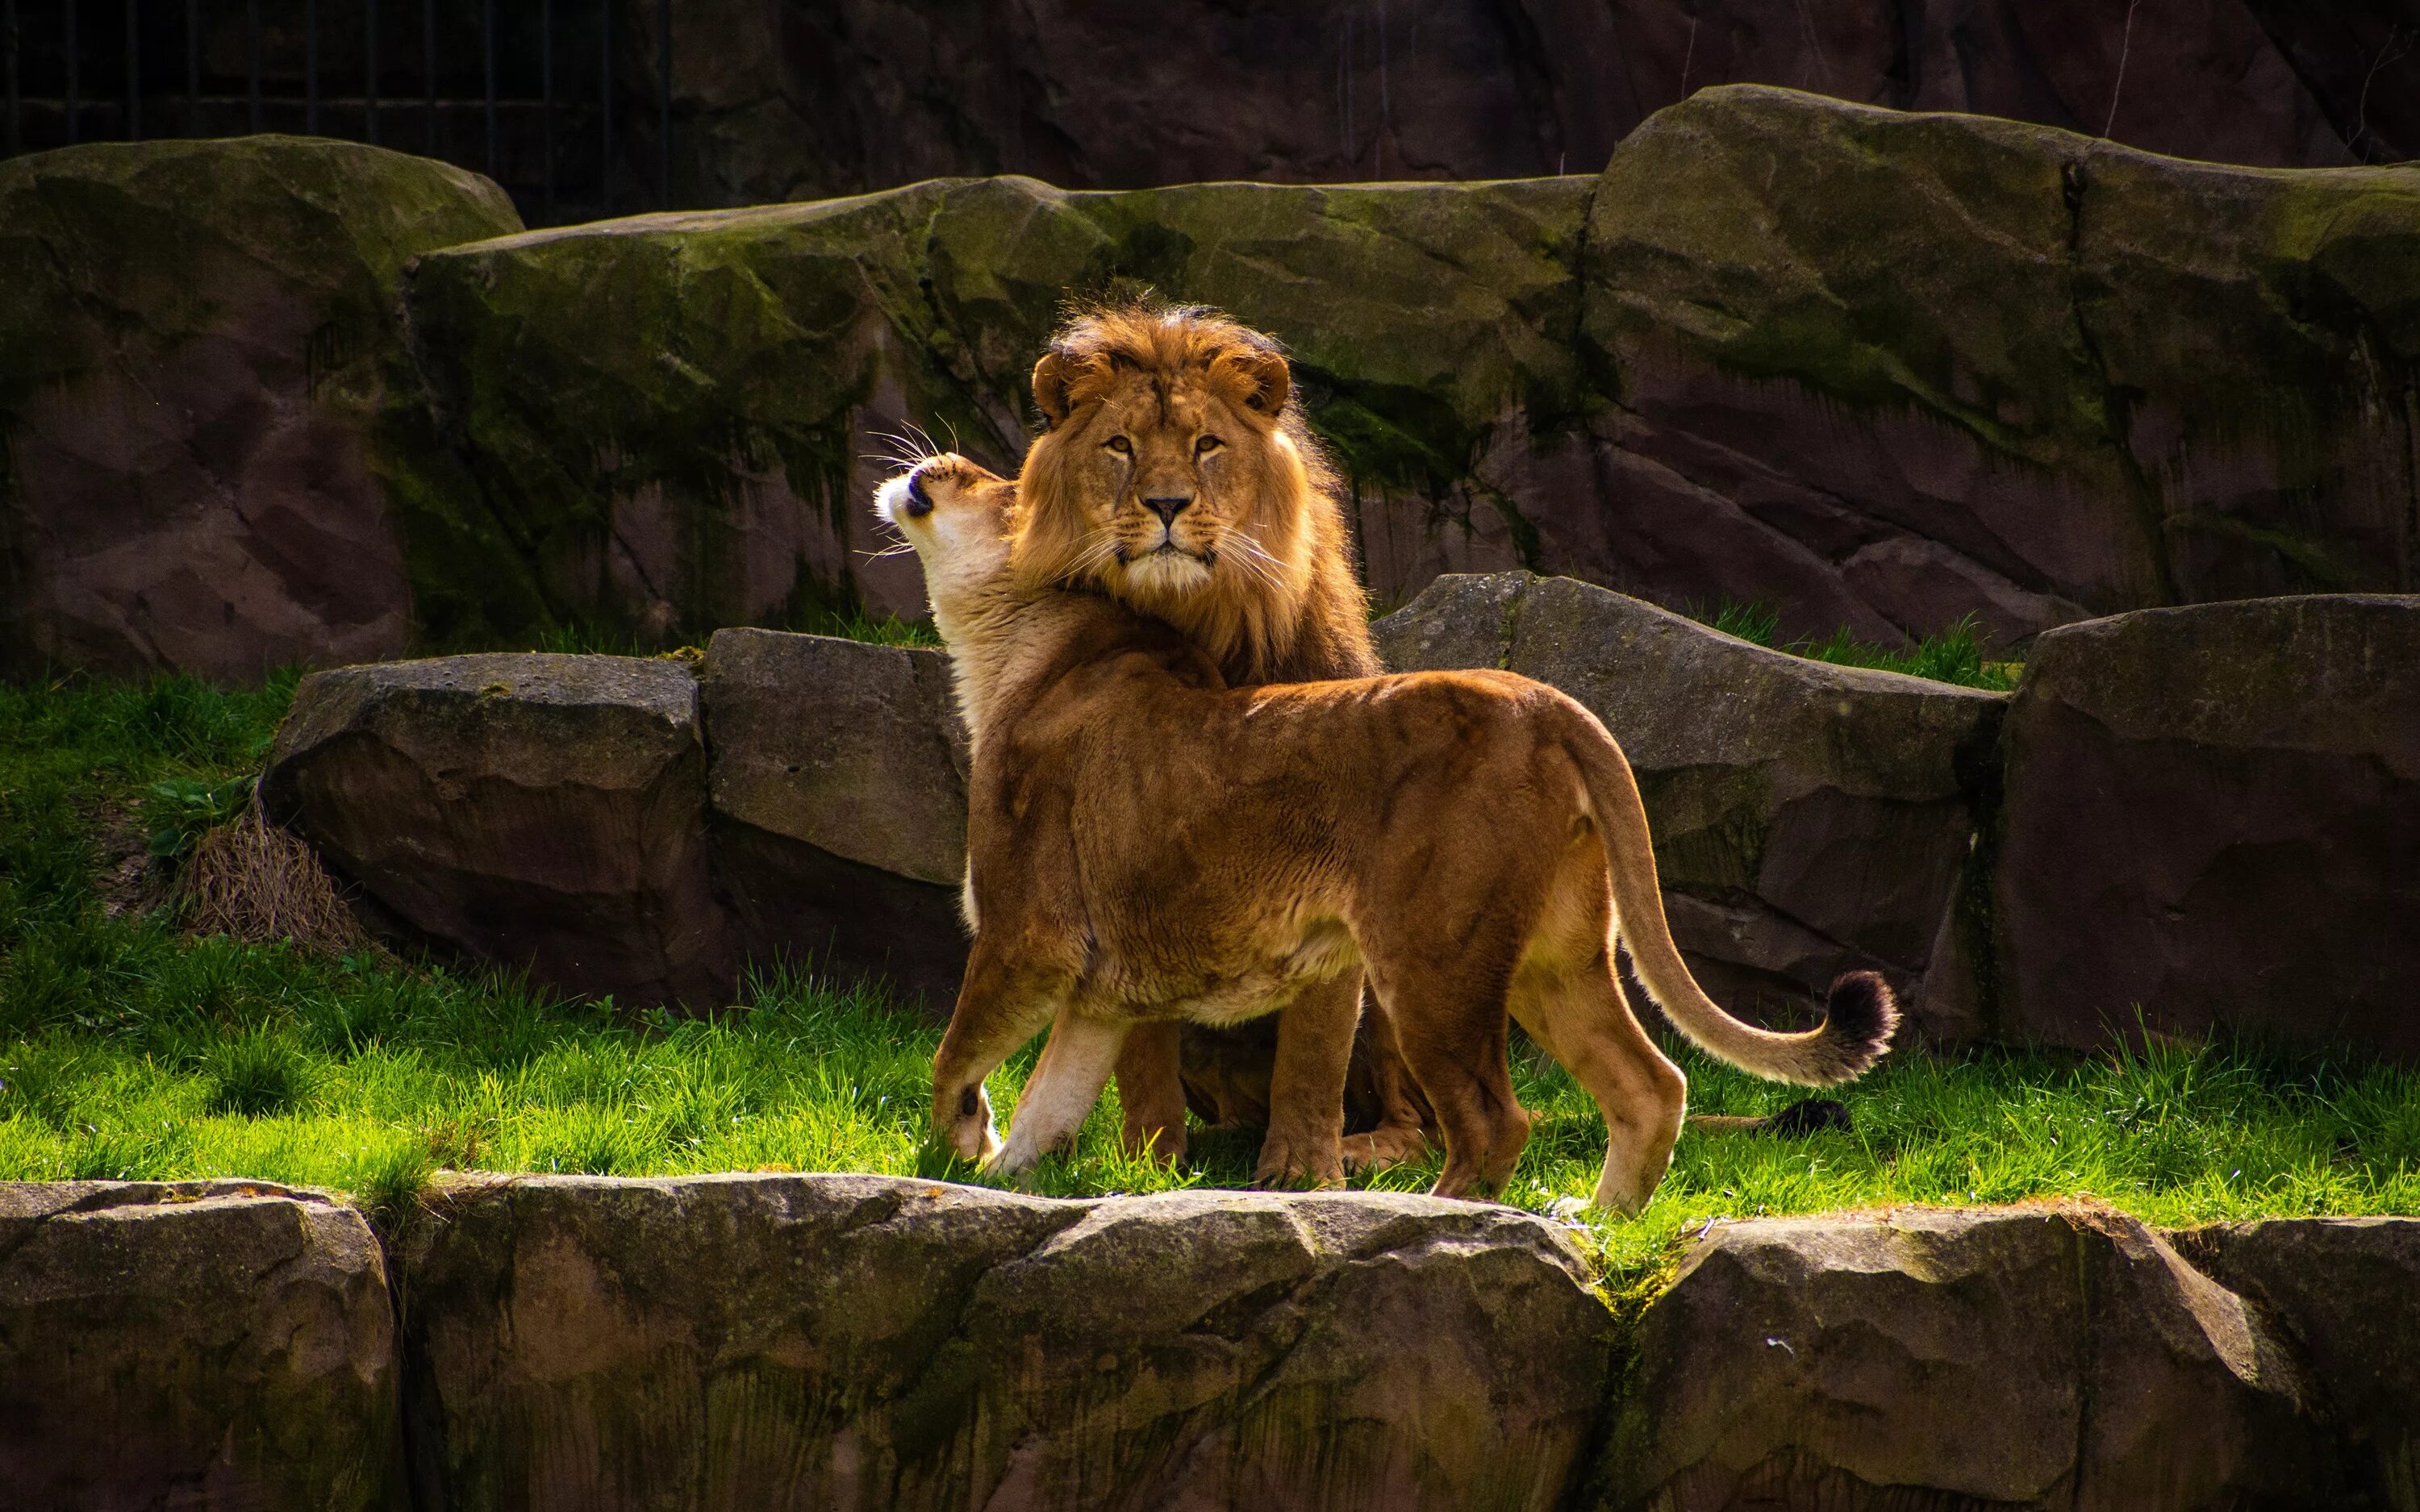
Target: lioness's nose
[1167,509]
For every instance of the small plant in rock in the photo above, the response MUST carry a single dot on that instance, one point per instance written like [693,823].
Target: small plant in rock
[178,812]
[255,1074]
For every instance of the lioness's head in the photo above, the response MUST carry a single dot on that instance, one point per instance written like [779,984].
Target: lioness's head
[956,514]
[1176,475]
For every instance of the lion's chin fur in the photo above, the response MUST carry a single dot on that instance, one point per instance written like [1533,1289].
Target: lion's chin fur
[1165,575]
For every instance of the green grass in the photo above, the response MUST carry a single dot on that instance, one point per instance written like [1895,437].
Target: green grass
[129,1050]
[1954,655]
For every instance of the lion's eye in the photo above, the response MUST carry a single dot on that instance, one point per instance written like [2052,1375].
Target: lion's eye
[1206,445]
[1119,445]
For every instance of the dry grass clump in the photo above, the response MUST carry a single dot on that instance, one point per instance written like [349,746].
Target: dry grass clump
[256,881]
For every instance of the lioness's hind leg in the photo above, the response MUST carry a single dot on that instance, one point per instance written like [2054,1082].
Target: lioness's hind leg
[1582,1018]
[1454,1040]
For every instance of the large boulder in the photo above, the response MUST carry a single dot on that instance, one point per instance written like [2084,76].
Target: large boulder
[836,776]
[2212,818]
[796,102]
[2049,1359]
[2343,1288]
[204,392]
[1884,370]
[547,812]
[208,1344]
[1808,818]
[881,1343]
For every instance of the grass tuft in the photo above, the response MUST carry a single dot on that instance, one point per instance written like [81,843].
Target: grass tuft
[255,1074]
[1954,655]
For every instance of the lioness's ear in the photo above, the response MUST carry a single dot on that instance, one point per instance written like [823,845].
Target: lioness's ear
[1054,384]
[1258,380]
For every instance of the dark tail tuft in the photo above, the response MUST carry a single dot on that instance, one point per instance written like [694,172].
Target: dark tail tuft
[1858,1021]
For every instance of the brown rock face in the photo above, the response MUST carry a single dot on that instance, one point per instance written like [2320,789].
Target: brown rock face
[2212,815]
[541,811]
[1808,818]
[804,100]
[2044,1359]
[207,1344]
[871,1343]
[198,346]
[837,782]
[1825,401]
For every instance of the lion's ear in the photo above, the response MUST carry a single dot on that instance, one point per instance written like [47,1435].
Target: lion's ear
[1258,380]
[1054,385]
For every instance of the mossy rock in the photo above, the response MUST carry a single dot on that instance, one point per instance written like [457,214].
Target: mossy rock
[671,417]
[662,414]
[204,396]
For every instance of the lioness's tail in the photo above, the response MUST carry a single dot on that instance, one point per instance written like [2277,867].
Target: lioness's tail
[1857,1021]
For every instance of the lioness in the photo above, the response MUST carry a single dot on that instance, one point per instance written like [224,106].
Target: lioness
[1177,476]
[1146,844]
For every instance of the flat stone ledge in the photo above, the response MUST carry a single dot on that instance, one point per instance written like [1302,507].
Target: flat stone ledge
[870,1342]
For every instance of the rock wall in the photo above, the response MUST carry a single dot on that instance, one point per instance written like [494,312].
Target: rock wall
[797,100]
[872,1342]
[202,1344]
[1879,370]
[2184,821]
[1942,366]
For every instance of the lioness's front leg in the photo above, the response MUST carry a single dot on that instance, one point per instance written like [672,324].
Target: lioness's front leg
[1065,1084]
[1001,1004]
[1306,1138]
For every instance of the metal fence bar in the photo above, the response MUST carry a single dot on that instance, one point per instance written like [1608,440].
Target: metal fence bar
[193,68]
[665,103]
[70,9]
[311,67]
[428,76]
[487,52]
[133,79]
[252,56]
[605,105]
[545,92]
[8,41]
[369,71]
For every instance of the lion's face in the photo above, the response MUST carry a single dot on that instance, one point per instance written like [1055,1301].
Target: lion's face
[1164,471]
[1171,476]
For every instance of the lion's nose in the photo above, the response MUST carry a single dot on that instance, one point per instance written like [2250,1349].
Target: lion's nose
[1168,509]
[920,504]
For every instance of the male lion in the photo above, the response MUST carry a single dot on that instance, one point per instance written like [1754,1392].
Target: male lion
[1145,843]
[1177,476]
